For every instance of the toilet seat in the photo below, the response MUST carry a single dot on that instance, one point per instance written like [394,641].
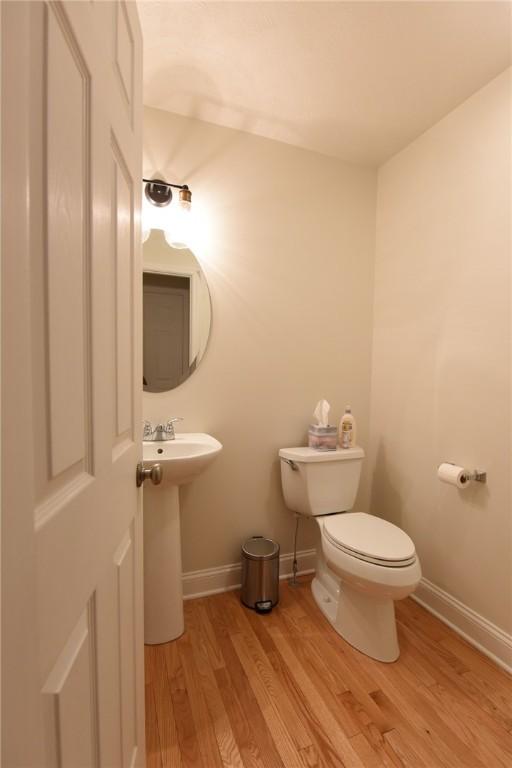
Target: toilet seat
[369,538]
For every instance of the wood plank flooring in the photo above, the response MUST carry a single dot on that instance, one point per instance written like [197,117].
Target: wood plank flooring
[285,691]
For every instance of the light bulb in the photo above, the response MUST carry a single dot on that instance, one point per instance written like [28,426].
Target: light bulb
[178,225]
[153,217]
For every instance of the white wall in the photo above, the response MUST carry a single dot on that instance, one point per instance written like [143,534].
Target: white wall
[286,239]
[441,352]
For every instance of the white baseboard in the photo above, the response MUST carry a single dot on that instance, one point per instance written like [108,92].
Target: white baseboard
[227,577]
[478,631]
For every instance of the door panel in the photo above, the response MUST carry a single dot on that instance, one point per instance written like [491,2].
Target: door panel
[125,56]
[68,221]
[61,226]
[125,565]
[122,220]
[70,703]
[78,592]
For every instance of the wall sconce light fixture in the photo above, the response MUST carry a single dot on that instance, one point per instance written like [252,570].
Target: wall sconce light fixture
[176,224]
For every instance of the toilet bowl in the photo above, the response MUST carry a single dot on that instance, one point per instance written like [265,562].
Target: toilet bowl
[381,568]
[364,563]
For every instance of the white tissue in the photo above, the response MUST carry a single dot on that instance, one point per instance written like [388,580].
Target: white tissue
[321,413]
[453,475]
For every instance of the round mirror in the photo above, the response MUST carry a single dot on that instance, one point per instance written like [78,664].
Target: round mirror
[177,314]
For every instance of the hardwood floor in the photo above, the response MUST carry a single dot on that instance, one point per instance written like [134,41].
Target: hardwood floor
[285,691]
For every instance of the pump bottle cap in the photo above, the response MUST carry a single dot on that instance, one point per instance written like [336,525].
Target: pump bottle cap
[348,409]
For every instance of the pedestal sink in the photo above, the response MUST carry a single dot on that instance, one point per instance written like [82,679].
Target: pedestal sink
[181,460]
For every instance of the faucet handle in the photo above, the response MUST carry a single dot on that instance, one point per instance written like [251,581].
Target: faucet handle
[169,427]
[147,429]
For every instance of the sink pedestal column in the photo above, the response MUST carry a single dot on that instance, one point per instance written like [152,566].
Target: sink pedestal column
[163,594]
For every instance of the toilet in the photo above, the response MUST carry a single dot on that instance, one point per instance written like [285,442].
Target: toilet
[364,563]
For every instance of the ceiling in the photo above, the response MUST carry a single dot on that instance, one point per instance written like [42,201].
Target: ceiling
[354,80]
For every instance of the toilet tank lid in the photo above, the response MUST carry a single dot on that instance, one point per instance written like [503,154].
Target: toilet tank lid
[306,455]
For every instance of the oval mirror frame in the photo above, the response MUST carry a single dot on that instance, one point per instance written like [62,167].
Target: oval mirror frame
[177,314]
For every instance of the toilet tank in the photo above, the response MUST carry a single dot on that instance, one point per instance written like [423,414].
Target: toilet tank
[320,482]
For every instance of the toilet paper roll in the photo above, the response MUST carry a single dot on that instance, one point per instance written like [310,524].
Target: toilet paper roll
[453,475]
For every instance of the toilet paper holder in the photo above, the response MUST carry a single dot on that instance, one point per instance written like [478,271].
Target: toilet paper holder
[476,475]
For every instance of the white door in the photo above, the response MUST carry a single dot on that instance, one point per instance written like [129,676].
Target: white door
[72,629]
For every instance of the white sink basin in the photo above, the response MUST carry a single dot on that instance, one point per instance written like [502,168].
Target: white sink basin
[183,458]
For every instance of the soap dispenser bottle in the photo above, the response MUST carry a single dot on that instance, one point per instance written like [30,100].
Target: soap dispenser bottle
[347,429]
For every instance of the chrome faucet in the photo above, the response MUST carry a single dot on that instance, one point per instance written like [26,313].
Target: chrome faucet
[160,432]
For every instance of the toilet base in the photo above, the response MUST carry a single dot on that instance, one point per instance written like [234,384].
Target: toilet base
[366,622]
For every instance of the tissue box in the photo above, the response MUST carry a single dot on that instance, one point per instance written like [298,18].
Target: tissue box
[322,438]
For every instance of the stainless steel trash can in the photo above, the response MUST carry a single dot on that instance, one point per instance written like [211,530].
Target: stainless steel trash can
[260,574]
